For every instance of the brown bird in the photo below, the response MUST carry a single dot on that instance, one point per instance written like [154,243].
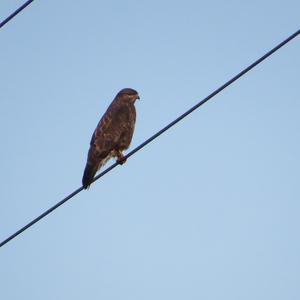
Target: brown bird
[112,135]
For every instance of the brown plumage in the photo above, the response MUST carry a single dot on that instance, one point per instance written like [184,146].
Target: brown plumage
[112,135]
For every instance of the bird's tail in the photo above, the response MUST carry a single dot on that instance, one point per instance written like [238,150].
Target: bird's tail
[88,175]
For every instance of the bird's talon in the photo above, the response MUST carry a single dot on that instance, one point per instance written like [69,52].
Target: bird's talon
[121,160]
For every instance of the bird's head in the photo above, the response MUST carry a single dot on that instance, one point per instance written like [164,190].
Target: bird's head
[129,95]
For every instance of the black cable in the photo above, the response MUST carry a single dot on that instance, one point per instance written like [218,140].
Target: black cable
[15,13]
[218,90]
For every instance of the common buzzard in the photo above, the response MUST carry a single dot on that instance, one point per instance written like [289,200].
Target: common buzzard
[112,135]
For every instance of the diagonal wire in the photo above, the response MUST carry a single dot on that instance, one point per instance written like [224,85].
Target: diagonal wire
[153,137]
[15,13]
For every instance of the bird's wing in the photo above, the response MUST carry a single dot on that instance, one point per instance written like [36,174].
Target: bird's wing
[110,128]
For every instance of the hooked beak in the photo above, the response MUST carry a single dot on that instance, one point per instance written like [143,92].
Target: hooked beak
[138,97]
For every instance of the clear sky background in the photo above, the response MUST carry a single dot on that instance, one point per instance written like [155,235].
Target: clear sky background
[210,210]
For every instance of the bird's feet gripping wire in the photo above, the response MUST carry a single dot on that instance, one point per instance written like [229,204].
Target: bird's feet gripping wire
[121,158]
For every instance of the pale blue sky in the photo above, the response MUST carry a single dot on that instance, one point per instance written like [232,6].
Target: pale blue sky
[210,210]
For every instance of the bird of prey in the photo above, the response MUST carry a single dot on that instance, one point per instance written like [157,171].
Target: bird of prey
[112,135]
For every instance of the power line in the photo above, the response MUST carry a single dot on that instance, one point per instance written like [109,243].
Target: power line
[149,140]
[15,13]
